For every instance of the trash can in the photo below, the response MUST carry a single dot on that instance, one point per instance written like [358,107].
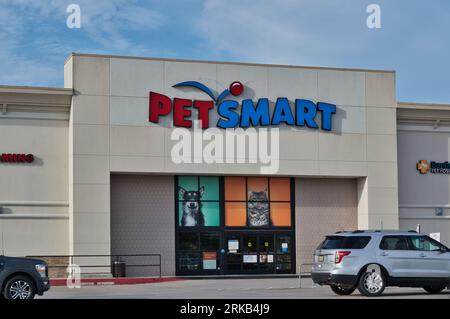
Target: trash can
[118,268]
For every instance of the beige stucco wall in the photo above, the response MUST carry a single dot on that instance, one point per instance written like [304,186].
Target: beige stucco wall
[34,197]
[110,132]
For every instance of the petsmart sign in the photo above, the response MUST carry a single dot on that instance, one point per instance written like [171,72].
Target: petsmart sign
[243,114]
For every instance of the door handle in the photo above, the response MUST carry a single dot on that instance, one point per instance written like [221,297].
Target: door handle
[384,254]
[422,255]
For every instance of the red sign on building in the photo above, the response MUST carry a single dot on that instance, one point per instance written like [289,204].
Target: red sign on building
[16,158]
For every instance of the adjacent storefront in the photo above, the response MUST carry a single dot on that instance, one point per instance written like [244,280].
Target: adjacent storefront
[424,180]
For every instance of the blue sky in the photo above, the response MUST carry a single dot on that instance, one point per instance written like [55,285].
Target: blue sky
[413,40]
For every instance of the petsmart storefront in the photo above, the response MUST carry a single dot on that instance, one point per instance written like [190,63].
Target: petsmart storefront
[222,168]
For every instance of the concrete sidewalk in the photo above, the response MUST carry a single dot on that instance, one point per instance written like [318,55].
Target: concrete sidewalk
[62,282]
[282,288]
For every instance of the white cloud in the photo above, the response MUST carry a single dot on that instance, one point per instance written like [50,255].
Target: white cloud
[104,21]
[289,31]
[30,29]
[16,67]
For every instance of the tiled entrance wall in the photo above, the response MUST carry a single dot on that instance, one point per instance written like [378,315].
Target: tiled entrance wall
[143,221]
[322,207]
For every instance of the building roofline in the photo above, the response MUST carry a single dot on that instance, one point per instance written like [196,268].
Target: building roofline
[35,90]
[224,62]
[423,106]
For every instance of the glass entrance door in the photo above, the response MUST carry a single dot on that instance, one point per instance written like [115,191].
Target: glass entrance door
[250,253]
[266,253]
[258,253]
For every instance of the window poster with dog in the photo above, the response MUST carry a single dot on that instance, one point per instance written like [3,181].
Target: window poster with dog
[198,201]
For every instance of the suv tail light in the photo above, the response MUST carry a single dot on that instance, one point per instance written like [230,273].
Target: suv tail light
[340,255]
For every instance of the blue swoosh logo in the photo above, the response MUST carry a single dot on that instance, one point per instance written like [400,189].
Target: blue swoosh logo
[203,88]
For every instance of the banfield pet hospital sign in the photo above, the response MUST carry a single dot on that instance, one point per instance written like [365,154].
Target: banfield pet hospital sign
[305,112]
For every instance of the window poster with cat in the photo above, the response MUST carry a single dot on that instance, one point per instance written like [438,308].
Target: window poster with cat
[257,201]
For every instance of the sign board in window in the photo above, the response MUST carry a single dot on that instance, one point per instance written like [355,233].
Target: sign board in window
[250,259]
[209,260]
[233,245]
[265,258]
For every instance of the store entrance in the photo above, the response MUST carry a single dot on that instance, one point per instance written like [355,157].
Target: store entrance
[254,252]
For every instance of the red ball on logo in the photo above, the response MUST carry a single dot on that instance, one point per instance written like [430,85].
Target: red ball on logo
[236,88]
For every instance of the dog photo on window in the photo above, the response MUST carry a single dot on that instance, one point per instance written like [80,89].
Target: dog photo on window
[192,207]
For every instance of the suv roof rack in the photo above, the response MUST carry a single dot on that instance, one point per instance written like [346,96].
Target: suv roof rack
[358,231]
[412,231]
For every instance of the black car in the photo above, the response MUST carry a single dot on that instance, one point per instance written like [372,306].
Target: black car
[23,278]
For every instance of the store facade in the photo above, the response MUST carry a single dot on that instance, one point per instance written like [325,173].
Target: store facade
[320,155]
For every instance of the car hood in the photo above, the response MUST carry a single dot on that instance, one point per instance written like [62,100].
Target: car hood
[23,260]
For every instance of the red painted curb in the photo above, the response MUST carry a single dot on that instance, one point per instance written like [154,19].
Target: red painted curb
[113,281]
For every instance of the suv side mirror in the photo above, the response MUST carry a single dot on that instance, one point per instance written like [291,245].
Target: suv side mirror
[443,249]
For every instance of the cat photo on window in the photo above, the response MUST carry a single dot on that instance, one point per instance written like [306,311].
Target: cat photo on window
[258,209]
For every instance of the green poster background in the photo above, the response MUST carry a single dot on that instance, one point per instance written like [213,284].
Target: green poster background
[211,184]
[212,213]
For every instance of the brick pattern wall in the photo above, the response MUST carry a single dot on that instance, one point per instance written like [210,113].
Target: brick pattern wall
[323,206]
[57,266]
[143,221]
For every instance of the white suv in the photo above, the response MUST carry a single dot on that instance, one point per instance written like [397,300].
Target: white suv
[371,260]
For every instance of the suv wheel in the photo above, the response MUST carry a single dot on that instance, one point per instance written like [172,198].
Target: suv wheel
[339,290]
[434,289]
[372,284]
[19,287]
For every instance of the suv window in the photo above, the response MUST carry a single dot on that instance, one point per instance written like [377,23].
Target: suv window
[394,243]
[425,243]
[345,242]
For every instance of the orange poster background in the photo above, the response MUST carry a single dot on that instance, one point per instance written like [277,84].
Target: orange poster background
[257,184]
[280,189]
[235,188]
[235,214]
[280,214]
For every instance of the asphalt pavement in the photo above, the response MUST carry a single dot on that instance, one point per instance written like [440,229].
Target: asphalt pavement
[276,288]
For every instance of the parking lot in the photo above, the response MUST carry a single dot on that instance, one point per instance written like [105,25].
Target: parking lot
[277,288]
